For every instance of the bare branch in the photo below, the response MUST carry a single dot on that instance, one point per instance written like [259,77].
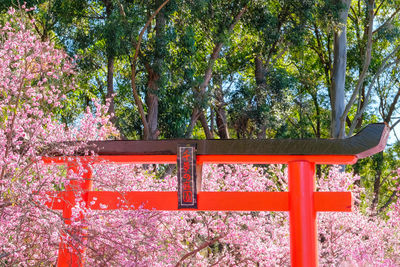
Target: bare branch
[122,10]
[392,107]
[389,20]
[379,7]
[394,125]
[383,66]
[202,246]
[215,53]
[387,203]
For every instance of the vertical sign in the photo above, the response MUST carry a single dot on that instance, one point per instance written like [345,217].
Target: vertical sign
[187,191]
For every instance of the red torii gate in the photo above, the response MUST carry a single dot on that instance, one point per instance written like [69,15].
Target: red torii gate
[301,200]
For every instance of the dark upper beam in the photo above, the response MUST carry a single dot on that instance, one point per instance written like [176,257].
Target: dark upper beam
[372,139]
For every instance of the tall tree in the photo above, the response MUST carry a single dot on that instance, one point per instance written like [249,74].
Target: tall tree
[360,56]
[337,89]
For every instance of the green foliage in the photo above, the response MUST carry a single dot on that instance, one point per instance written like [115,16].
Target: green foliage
[293,40]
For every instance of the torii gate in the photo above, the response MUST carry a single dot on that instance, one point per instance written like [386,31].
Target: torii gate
[301,201]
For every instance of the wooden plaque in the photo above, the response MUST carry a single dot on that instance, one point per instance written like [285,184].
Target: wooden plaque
[187,191]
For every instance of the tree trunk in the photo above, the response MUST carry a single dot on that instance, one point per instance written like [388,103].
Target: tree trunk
[318,115]
[193,120]
[152,106]
[220,112]
[154,74]
[339,71]
[110,67]
[363,99]
[207,131]
[259,73]
[378,162]
[110,86]
[138,101]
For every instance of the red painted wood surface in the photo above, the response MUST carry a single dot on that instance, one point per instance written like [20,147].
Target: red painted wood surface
[211,201]
[221,159]
[69,255]
[302,214]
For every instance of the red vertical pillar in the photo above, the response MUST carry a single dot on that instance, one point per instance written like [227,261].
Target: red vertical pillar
[68,255]
[303,230]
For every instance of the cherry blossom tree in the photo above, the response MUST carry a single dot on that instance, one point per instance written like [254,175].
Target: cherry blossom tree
[34,78]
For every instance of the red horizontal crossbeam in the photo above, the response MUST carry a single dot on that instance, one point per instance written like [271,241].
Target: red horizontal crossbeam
[225,159]
[207,201]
